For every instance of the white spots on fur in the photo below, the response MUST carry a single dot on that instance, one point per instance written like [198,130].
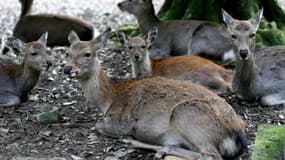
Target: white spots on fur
[229,55]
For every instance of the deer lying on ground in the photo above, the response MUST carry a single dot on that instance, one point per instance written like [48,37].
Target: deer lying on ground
[176,117]
[30,27]
[16,80]
[257,75]
[189,68]
[174,35]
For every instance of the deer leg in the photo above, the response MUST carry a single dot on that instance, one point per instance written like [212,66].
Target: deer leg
[274,99]
[165,150]
[9,100]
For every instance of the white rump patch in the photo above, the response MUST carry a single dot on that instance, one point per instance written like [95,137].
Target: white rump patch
[228,147]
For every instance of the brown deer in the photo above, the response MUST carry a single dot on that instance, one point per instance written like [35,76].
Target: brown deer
[175,36]
[16,80]
[189,68]
[260,75]
[29,27]
[184,119]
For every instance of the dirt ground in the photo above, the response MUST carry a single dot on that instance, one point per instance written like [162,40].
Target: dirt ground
[74,136]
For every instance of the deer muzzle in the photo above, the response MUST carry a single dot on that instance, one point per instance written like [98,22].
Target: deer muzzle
[244,54]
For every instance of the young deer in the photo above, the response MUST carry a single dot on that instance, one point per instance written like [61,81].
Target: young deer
[185,119]
[175,36]
[16,80]
[189,68]
[29,27]
[260,75]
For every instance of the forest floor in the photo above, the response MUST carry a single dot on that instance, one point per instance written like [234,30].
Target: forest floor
[74,136]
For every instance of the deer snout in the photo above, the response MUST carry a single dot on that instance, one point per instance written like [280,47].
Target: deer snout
[49,63]
[120,6]
[137,57]
[244,54]
[67,70]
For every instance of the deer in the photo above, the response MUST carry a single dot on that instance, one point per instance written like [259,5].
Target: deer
[29,26]
[17,80]
[168,116]
[176,37]
[257,75]
[189,68]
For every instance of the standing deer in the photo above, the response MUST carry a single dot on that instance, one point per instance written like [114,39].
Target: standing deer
[182,118]
[29,27]
[189,68]
[16,80]
[260,75]
[175,36]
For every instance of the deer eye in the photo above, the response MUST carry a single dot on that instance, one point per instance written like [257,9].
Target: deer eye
[130,47]
[234,36]
[34,53]
[252,35]
[87,55]
[143,47]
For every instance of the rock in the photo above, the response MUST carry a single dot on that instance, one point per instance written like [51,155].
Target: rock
[48,117]
[173,158]
[269,143]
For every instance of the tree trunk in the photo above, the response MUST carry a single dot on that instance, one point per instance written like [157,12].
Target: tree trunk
[210,10]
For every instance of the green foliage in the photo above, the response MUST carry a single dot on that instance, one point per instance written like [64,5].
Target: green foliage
[269,35]
[269,143]
[131,29]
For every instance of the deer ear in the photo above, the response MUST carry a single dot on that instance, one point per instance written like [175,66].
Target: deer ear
[152,35]
[43,38]
[101,40]
[123,39]
[15,44]
[255,21]
[73,37]
[228,19]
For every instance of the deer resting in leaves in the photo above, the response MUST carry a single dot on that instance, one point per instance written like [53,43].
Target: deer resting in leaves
[189,68]
[30,27]
[18,79]
[176,117]
[175,36]
[257,75]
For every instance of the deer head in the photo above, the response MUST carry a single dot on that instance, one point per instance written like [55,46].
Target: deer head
[137,47]
[82,55]
[243,34]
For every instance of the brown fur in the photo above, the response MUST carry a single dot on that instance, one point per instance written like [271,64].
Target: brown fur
[156,110]
[30,27]
[18,79]
[175,37]
[189,68]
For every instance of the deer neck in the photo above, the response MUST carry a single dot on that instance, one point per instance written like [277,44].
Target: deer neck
[147,20]
[27,78]
[245,75]
[98,88]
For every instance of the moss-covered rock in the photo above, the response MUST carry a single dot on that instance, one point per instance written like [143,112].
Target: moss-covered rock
[269,143]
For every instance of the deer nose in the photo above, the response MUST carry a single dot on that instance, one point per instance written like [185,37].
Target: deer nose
[49,63]
[137,56]
[67,70]
[119,4]
[243,53]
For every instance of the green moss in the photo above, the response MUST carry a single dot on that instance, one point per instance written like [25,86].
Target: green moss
[131,29]
[269,35]
[269,143]
[176,10]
